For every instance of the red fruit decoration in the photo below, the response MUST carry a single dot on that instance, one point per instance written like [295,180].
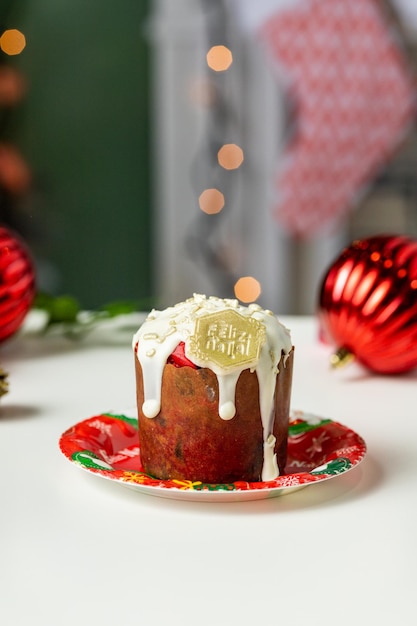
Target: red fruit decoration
[368,304]
[17,282]
[179,359]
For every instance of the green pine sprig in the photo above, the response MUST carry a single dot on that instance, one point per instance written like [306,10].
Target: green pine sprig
[65,313]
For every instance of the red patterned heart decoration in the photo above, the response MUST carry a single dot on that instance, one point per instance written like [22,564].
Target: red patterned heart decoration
[17,282]
[368,304]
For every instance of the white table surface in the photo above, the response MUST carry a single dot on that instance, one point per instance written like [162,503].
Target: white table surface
[75,548]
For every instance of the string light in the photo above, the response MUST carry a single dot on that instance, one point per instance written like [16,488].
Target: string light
[219,58]
[247,289]
[210,164]
[12,42]
[230,156]
[211,201]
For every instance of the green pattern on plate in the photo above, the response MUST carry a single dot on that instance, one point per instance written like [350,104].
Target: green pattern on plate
[303,427]
[133,421]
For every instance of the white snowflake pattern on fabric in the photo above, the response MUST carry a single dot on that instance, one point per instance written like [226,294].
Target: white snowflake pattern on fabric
[353,96]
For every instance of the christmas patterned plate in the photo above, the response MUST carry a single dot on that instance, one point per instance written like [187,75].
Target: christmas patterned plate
[107,445]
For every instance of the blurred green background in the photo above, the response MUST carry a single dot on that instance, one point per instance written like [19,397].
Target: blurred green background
[83,128]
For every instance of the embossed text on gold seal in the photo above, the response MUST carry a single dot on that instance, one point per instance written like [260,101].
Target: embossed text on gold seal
[226,339]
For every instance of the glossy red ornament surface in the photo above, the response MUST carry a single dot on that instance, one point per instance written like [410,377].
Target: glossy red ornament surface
[17,282]
[368,303]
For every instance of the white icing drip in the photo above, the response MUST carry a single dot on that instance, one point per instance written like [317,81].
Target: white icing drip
[227,392]
[164,330]
[151,408]
[152,370]
[270,468]
[227,410]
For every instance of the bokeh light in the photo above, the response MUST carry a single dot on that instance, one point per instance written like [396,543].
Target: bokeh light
[211,201]
[12,86]
[247,289]
[230,156]
[12,41]
[219,58]
[15,175]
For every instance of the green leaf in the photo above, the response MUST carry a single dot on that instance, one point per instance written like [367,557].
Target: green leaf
[122,307]
[61,309]
[64,313]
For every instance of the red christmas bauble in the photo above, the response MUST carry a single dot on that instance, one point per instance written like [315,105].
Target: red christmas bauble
[368,303]
[17,282]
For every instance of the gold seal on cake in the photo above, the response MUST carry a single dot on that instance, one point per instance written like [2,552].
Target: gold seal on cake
[226,339]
